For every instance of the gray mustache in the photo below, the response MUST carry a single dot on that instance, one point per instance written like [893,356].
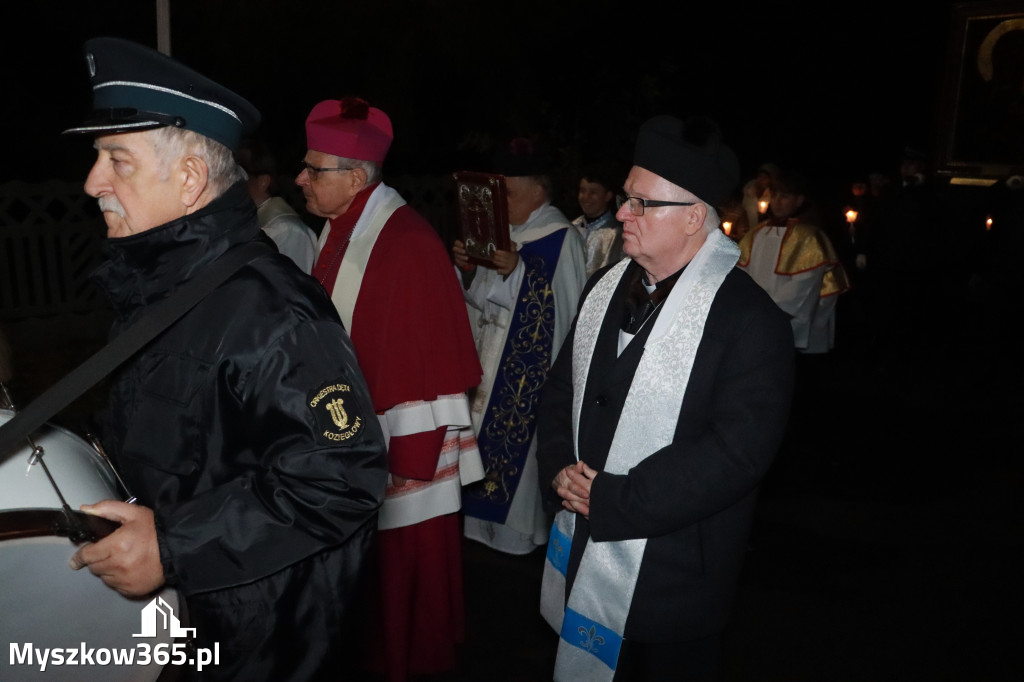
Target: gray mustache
[111,204]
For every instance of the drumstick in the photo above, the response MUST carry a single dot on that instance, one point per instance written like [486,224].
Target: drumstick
[78,532]
[98,447]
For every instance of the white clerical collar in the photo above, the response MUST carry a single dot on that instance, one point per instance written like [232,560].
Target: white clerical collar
[533,214]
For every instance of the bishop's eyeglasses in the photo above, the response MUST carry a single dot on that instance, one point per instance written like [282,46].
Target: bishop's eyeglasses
[315,171]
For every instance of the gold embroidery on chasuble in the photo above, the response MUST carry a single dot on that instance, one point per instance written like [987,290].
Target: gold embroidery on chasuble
[521,376]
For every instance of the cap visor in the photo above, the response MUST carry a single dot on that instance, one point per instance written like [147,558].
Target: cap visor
[112,126]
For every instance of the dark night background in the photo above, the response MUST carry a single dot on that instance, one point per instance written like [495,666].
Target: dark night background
[836,89]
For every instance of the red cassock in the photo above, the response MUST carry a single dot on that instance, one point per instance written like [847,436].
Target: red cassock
[412,338]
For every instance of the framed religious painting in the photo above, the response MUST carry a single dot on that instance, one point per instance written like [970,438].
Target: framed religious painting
[482,215]
[981,125]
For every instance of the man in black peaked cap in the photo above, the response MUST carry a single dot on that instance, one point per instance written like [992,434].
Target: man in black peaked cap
[659,419]
[245,430]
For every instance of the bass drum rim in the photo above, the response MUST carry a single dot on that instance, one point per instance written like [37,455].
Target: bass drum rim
[55,606]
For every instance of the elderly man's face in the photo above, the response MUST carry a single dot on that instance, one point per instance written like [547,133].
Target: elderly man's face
[524,197]
[664,238]
[137,191]
[332,192]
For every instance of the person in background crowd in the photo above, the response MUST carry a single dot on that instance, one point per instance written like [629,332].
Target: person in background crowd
[601,232]
[279,220]
[758,191]
[521,309]
[794,261]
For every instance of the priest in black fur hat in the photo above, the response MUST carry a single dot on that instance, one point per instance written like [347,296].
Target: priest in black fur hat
[659,419]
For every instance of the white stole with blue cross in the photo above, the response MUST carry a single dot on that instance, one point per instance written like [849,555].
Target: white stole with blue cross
[592,623]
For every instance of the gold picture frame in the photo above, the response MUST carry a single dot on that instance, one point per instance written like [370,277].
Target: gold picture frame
[981,129]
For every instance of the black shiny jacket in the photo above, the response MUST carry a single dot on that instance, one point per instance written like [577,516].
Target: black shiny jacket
[248,428]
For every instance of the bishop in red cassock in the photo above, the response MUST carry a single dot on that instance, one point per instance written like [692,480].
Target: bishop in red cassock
[393,284]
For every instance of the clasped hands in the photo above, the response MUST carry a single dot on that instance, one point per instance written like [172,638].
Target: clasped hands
[504,261]
[573,485]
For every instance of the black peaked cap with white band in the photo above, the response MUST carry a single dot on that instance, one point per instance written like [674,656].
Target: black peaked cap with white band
[136,88]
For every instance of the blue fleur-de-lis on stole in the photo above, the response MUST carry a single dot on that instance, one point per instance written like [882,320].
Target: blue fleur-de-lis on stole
[591,640]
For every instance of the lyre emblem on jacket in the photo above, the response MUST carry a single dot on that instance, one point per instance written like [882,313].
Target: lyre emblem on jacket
[340,427]
[338,414]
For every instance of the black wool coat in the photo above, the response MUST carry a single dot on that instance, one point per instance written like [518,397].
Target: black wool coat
[694,499]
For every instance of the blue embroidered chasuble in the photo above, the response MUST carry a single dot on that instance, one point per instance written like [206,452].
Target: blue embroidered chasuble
[510,420]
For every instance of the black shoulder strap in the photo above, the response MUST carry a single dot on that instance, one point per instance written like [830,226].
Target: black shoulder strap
[130,341]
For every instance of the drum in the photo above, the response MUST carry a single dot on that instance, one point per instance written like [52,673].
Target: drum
[44,604]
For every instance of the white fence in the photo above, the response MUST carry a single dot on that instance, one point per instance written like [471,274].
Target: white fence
[50,234]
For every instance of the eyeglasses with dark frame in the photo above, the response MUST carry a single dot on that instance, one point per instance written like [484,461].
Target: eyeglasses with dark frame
[315,171]
[637,205]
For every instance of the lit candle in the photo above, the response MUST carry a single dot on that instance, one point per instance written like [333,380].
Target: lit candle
[988,224]
[727,227]
[851,218]
[762,206]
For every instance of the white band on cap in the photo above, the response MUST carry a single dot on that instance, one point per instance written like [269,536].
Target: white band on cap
[110,126]
[150,86]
